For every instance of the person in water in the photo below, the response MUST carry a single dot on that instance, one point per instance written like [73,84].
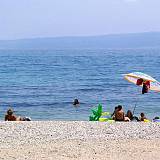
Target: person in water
[142,117]
[76,102]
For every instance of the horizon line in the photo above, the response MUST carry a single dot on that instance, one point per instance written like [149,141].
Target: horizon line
[79,36]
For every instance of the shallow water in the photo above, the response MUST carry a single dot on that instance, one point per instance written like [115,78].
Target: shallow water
[42,84]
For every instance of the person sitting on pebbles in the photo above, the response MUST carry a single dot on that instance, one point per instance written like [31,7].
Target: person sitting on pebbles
[142,117]
[120,115]
[11,117]
[131,117]
[113,114]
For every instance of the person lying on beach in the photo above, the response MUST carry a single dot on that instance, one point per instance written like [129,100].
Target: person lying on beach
[156,119]
[142,117]
[11,117]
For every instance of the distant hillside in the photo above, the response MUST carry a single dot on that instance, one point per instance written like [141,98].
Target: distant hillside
[133,40]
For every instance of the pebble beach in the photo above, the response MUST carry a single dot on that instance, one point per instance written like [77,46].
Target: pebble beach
[67,140]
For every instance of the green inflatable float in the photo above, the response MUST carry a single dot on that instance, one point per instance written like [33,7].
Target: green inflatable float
[97,112]
[97,115]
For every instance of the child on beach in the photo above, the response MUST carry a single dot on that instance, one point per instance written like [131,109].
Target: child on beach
[142,117]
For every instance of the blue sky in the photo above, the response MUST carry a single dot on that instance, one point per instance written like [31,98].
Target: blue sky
[51,18]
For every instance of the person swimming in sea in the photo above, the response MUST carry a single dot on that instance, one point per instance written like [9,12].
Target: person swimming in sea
[76,102]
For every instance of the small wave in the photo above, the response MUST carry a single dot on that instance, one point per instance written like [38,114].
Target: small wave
[91,89]
[17,105]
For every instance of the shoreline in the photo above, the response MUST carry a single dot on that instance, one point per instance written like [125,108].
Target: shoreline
[79,140]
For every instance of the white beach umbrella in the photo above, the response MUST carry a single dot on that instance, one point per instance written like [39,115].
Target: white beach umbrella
[133,77]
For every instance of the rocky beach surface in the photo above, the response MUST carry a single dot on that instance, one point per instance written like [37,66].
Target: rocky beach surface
[67,140]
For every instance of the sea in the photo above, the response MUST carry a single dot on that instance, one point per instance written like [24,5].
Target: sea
[42,84]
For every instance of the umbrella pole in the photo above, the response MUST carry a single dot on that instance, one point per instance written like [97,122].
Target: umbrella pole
[134,108]
[136,101]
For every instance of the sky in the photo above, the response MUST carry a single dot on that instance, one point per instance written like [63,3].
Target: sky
[53,18]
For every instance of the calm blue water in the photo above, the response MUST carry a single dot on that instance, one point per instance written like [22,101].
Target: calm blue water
[42,84]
